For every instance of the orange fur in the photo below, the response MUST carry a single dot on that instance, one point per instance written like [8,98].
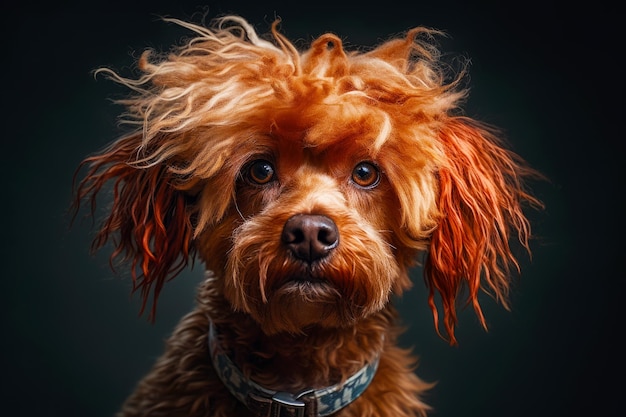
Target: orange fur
[181,187]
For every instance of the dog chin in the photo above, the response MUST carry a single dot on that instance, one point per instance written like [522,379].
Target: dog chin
[299,304]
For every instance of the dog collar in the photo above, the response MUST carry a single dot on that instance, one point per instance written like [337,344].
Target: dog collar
[308,403]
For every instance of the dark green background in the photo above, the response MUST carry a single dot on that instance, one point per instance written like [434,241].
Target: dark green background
[548,74]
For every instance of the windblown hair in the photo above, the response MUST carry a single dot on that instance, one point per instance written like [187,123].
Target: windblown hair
[197,112]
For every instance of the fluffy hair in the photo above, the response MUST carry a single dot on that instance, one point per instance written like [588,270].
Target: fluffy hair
[450,188]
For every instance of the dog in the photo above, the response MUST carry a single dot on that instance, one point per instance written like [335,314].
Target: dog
[308,182]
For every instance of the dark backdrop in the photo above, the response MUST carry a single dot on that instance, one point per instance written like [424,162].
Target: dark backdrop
[548,74]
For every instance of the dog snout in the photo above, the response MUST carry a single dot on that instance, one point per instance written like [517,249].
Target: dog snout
[310,237]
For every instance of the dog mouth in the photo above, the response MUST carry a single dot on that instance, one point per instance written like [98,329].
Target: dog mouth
[308,285]
[306,281]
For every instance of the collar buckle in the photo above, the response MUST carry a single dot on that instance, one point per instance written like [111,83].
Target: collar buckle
[282,404]
[285,400]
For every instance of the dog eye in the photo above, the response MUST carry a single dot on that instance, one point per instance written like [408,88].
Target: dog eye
[365,175]
[260,172]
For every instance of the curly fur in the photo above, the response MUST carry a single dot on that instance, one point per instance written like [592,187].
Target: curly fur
[448,188]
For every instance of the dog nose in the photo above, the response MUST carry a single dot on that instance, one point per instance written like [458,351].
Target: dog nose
[310,237]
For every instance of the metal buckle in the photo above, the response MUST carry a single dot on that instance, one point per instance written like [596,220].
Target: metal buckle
[285,400]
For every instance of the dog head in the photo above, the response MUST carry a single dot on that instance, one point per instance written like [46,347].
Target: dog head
[309,182]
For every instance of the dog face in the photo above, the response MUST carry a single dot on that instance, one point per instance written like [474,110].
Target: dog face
[312,233]
[309,182]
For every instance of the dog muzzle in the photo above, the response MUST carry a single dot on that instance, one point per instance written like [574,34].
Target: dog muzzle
[263,402]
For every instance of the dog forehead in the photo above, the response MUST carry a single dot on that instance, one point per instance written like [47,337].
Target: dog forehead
[331,124]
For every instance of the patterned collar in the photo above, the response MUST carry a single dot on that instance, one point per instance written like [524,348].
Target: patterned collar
[266,402]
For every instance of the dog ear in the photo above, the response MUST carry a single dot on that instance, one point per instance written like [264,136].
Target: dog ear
[481,194]
[149,221]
